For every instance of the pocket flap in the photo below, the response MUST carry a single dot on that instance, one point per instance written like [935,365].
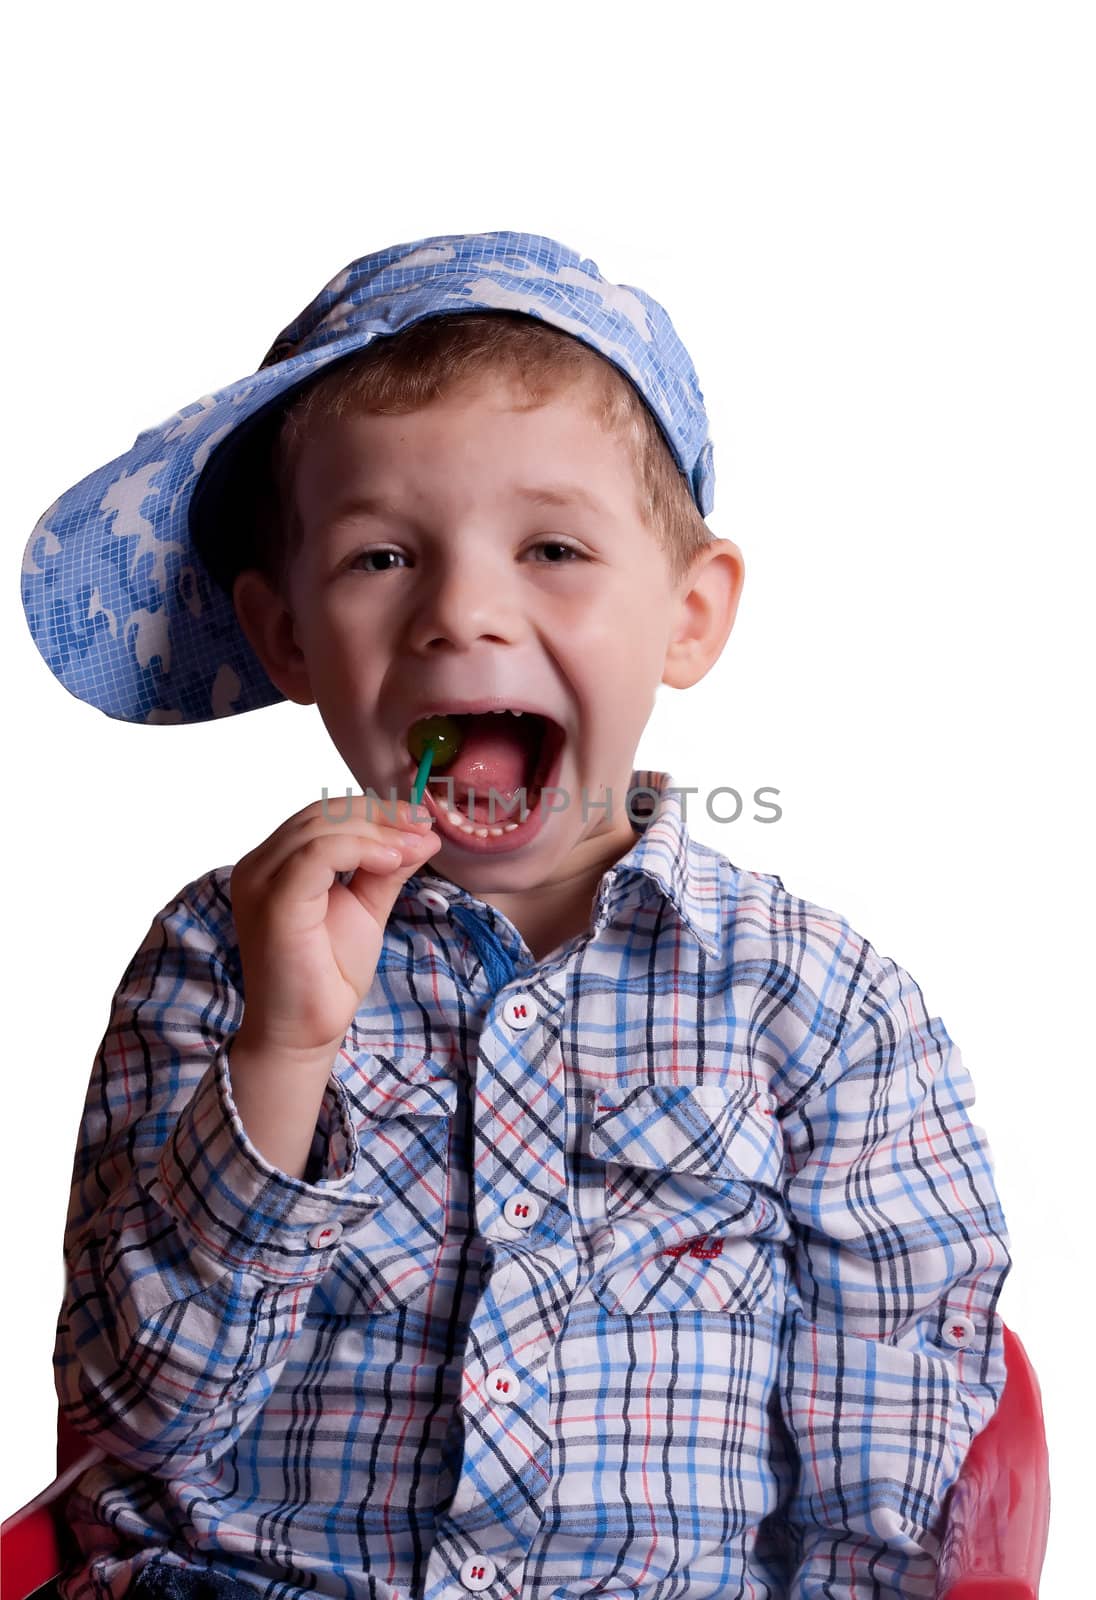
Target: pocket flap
[703,1130]
[401,1108]
[398,1086]
[728,1276]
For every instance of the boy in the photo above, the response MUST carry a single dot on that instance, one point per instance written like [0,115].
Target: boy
[522,1199]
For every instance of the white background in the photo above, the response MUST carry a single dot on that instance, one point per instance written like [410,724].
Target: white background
[872,224]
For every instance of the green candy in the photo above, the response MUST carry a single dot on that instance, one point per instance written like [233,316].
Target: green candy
[441,732]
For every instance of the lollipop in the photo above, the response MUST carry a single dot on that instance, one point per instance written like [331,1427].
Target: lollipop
[434,741]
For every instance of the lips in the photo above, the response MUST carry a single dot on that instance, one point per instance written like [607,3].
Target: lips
[508,830]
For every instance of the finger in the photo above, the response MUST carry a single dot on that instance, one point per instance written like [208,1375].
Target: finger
[361,814]
[370,808]
[306,875]
[378,892]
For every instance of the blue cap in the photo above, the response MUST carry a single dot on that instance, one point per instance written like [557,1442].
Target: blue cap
[122,606]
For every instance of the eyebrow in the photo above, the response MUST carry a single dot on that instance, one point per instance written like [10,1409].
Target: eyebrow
[364,505]
[555,494]
[560,494]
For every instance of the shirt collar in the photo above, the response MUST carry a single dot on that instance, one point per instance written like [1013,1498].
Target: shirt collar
[664,855]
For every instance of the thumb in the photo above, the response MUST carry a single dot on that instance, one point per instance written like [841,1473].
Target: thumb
[377,891]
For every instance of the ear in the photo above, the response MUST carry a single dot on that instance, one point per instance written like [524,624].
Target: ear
[707,602]
[267,623]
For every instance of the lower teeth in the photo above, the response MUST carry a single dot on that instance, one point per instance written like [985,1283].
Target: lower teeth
[481,829]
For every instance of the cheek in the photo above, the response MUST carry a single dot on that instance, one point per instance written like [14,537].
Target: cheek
[610,631]
[343,669]
[627,654]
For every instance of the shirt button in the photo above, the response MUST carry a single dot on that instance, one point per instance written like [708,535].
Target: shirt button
[478,1572]
[521,1210]
[502,1386]
[959,1332]
[324,1234]
[520,1011]
[433,900]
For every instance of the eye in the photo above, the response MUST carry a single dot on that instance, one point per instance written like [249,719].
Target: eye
[562,554]
[570,553]
[372,555]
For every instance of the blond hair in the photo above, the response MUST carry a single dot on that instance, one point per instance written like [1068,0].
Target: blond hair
[406,371]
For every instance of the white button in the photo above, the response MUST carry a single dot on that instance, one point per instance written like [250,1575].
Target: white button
[521,1210]
[520,1011]
[478,1572]
[959,1332]
[323,1234]
[433,900]
[503,1386]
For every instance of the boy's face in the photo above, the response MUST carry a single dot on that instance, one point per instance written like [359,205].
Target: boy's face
[475,598]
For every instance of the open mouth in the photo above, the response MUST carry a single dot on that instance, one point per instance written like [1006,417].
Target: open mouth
[487,794]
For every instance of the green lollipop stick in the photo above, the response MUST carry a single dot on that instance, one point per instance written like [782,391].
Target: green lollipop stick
[422,774]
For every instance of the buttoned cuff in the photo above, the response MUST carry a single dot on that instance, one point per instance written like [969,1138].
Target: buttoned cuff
[246,1215]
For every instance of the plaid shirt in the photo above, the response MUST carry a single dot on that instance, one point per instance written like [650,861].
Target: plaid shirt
[664,1267]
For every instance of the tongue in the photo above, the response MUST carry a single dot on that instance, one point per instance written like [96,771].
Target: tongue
[496,753]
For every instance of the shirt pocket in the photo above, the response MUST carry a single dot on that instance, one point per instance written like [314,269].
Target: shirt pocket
[690,1197]
[402,1110]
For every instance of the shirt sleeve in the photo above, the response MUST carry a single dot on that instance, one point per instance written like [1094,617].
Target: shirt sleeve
[188,1258]
[892,1355]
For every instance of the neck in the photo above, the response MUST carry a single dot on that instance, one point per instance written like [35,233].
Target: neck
[552,912]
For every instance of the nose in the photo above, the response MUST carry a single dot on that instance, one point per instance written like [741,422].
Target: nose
[462,605]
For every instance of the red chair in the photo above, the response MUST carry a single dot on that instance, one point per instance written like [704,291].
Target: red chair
[999,1507]
[998,1511]
[35,1542]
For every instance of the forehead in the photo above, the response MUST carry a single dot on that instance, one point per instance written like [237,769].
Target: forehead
[485,434]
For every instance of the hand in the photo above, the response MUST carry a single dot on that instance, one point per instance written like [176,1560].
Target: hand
[310,945]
